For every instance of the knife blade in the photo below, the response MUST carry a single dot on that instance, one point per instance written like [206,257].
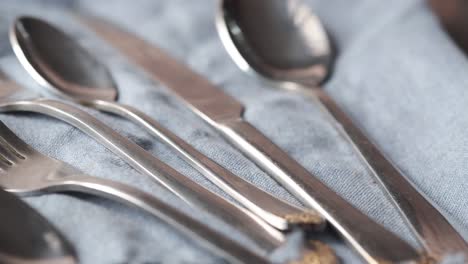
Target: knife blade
[373,242]
[210,102]
[27,237]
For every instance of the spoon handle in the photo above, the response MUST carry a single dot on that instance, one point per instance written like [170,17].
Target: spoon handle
[372,241]
[129,195]
[434,231]
[188,190]
[272,210]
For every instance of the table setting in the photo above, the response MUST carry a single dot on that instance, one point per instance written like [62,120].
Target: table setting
[233,131]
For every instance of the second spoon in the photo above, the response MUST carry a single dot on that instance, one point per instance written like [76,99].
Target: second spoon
[285,42]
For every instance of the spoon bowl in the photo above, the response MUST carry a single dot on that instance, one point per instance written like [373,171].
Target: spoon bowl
[286,42]
[28,237]
[80,76]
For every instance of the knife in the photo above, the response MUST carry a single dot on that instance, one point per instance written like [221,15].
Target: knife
[224,113]
[26,237]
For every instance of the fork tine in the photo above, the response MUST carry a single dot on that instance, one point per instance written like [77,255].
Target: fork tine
[4,162]
[13,143]
[8,152]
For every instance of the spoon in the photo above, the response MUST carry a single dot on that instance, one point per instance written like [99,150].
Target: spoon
[194,194]
[58,63]
[28,237]
[284,42]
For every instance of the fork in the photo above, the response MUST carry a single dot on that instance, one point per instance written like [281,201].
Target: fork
[25,171]
[28,172]
[12,99]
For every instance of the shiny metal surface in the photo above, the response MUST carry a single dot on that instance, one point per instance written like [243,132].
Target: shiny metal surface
[453,15]
[191,192]
[302,53]
[370,240]
[27,237]
[293,28]
[26,171]
[45,52]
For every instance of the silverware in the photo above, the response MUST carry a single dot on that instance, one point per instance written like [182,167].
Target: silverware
[18,160]
[191,192]
[301,55]
[453,17]
[45,51]
[26,236]
[224,113]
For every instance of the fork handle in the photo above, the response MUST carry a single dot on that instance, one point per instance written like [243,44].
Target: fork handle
[188,190]
[272,210]
[179,220]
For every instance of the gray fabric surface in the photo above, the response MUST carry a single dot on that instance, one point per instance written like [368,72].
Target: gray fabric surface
[397,74]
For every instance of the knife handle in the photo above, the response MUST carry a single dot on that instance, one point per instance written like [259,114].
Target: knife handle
[182,222]
[272,210]
[373,242]
[188,190]
[434,232]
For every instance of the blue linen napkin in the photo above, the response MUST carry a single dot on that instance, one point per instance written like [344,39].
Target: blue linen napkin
[397,74]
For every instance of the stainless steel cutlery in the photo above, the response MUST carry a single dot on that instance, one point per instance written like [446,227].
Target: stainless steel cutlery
[299,60]
[87,81]
[25,236]
[188,190]
[26,171]
[280,41]
[224,113]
